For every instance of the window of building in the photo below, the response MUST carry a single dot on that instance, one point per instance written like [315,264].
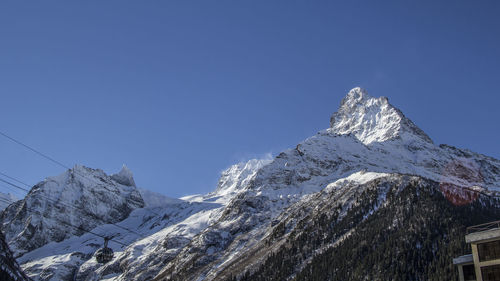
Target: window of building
[489,250]
[491,273]
[469,272]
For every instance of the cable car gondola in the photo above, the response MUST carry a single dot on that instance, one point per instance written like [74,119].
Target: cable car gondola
[104,254]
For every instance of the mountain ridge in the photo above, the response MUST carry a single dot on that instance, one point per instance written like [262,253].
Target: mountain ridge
[202,236]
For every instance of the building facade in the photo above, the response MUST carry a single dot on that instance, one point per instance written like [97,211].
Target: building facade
[484,262]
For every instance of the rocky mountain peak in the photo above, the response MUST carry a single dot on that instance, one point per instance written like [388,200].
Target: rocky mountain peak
[82,197]
[373,120]
[356,95]
[124,177]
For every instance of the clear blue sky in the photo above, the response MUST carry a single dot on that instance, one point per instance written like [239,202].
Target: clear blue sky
[180,90]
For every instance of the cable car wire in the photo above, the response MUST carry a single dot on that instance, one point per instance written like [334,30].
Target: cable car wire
[102,255]
[14,185]
[27,191]
[6,201]
[15,191]
[54,161]
[66,223]
[48,158]
[76,227]
[74,207]
[16,180]
[34,150]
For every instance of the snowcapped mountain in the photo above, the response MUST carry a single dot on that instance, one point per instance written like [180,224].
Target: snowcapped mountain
[161,225]
[366,134]
[144,258]
[80,197]
[341,179]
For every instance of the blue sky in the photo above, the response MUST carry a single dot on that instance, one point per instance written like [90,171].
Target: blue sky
[180,90]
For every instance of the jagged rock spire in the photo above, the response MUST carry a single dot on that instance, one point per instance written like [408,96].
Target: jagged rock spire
[373,119]
[124,177]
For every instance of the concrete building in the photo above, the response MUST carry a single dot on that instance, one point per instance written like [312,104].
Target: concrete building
[484,262]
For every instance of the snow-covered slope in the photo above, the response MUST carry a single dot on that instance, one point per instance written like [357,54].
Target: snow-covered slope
[198,237]
[74,256]
[143,259]
[160,226]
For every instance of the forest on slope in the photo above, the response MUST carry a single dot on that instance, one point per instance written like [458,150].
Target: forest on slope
[414,236]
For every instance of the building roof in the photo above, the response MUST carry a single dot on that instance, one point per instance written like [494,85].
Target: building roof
[463,259]
[484,236]
[483,227]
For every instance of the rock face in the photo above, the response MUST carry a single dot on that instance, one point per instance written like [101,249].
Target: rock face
[315,198]
[9,269]
[67,205]
[124,177]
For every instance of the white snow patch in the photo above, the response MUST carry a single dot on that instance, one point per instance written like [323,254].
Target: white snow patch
[360,177]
